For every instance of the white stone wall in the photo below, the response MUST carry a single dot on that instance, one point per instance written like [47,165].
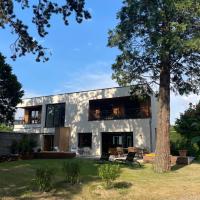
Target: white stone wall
[76,117]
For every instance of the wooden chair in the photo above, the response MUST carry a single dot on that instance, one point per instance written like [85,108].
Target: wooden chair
[132,149]
[112,151]
[120,151]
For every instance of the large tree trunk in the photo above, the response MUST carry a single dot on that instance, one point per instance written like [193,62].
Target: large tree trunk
[162,159]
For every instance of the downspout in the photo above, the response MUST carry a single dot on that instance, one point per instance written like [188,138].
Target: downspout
[150,125]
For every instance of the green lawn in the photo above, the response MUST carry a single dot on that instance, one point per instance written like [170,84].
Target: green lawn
[134,183]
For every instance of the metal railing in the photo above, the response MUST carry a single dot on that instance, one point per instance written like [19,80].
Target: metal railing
[21,121]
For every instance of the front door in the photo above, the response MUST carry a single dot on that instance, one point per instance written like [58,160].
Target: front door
[48,142]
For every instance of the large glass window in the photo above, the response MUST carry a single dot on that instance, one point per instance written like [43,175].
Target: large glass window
[119,108]
[55,115]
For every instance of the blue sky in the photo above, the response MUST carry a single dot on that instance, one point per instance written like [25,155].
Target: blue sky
[80,57]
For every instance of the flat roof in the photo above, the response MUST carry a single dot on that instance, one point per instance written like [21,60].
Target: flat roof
[77,92]
[84,91]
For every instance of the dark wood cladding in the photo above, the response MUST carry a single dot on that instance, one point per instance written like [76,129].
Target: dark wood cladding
[119,108]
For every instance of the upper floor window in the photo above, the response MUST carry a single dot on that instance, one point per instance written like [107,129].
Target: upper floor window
[119,108]
[55,115]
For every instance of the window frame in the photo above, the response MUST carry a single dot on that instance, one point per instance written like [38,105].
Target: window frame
[61,123]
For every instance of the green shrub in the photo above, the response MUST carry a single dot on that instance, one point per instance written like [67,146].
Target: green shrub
[14,147]
[71,171]
[43,178]
[26,145]
[108,173]
[179,141]
[6,128]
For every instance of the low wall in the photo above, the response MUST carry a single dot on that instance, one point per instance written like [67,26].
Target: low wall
[6,139]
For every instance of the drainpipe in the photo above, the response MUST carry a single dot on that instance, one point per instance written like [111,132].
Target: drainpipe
[150,126]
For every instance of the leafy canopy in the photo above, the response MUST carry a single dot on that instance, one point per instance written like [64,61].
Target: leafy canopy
[10,92]
[156,33]
[188,124]
[42,14]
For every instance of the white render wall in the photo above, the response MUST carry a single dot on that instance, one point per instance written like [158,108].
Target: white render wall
[76,117]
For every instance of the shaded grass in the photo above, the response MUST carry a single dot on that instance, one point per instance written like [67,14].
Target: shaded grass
[134,183]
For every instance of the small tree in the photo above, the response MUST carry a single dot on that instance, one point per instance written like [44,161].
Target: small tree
[188,125]
[160,46]
[10,92]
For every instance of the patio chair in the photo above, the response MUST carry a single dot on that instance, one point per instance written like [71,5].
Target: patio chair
[112,151]
[129,159]
[120,151]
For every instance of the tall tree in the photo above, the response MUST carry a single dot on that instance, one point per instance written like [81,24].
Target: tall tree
[159,42]
[42,13]
[10,93]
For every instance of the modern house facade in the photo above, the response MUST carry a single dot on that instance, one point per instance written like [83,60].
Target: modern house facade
[96,119]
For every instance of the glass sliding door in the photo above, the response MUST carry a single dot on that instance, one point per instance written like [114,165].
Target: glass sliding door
[116,139]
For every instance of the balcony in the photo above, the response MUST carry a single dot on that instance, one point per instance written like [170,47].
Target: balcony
[119,108]
[129,113]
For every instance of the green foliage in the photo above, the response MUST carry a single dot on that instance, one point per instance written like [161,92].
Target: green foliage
[177,142]
[108,173]
[10,93]
[5,128]
[44,177]
[42,13]
[71,171]
[23,146]
[155,36]
[188,125]
[14,148]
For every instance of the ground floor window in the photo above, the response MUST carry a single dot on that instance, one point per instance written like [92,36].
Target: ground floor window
[84,140]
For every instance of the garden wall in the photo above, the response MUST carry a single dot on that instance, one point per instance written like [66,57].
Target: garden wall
[6,139]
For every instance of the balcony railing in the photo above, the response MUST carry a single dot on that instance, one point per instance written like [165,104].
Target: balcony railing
[21,121]
[129,113]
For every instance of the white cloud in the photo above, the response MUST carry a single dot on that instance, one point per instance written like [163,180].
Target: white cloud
[93,76]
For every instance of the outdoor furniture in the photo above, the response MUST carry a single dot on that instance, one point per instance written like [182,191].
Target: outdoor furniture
[120,151]
[86,151]
[129,159]
[113,151]
[132,149]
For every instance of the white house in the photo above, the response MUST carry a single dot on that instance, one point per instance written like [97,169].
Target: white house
[97,119]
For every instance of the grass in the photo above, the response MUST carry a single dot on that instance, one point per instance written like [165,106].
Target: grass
[134,183]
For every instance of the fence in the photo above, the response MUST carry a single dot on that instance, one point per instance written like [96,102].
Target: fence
[6,139]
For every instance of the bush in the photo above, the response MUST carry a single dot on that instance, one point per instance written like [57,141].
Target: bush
[14,147]
[43,178]
[5,128]
[179,141]
[108,173]
[71,171]
[23,146]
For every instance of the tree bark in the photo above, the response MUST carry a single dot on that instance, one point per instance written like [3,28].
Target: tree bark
[162,154]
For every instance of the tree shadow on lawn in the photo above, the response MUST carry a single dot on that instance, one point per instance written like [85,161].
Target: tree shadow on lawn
[16,188]
[25,170]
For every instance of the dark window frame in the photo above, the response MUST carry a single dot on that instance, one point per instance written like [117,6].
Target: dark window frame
[54,123]
[88,134]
